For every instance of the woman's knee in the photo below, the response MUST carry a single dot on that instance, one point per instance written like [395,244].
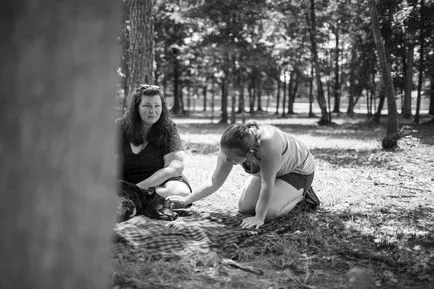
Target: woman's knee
[249,197]
[244,206]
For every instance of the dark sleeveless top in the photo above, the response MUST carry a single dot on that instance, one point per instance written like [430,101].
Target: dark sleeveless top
[135,168]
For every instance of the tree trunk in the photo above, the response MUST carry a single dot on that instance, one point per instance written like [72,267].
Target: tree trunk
[431,99]
[259,94]
[177,97]
[58,138]
[212,99]
[233,104]
[284,94]
[291,95]
[336,86]
[374,90]
[351,104]
[382,98]
[124,46]
[141,48]
[241,95]
[279,84]
[189,97]
[204,93]
[325,116]
[406,108]
[368,103]
[421,59]
[329,93]
[392,132]
[311,114]
[224,89]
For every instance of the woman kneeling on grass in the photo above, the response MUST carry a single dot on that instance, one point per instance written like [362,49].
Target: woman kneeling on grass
[281,166]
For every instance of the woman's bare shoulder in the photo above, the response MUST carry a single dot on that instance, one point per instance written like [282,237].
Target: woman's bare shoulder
[268,132]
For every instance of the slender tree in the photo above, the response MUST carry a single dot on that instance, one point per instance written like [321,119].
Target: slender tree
[392,134]
[336,84]
[279,84]
[421,59]
[311,20]
[58,74]
[406,108]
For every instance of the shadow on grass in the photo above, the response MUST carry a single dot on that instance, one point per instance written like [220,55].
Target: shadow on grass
[300,249]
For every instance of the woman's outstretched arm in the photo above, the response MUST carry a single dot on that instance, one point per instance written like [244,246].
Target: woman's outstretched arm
[221,172]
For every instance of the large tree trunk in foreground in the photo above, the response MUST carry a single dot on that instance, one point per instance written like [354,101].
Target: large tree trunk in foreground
[57,146]
[392,135]
[141,48]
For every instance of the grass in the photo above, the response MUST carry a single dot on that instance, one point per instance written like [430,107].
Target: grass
[376,214]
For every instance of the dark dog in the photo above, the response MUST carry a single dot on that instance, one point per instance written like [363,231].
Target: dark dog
[137,201]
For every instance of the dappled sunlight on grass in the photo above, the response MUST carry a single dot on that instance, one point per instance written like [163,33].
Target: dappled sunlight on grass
[377,212]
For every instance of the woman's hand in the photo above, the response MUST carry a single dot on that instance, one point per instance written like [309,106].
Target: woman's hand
[252,222]
[178,200]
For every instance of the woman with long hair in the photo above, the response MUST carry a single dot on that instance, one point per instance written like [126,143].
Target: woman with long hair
[151,152]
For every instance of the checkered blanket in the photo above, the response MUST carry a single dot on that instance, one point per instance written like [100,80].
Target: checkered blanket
[195,231]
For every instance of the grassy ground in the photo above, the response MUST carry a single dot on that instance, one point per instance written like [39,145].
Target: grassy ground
[376,216]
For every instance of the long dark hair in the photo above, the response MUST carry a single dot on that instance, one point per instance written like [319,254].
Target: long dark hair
[238,136]
[131,126]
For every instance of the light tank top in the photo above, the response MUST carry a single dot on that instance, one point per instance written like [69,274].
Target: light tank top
[296,157]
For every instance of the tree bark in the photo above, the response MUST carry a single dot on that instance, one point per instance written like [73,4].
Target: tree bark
[351,103]
[212,99]
[406,109]
[311,114]
[431,100]
[336,94]
[382,98]
[141,44]
[124,45]
[279,84]
[325,116]
[284,93]
[177,98]
[252,93]
[224,89]
[392,132]
[259,94]
[233,104]
[58,166]
[241,98]
[421,60]
[291,91]
[205,94]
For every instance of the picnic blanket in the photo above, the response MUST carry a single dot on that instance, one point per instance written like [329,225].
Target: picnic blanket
[195,231]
